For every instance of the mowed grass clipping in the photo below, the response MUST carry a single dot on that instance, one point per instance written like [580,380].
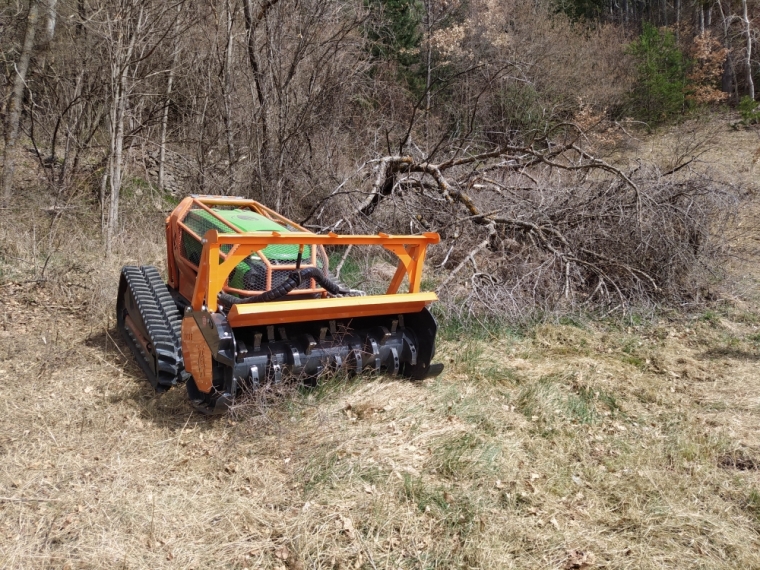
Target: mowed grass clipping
[568,447]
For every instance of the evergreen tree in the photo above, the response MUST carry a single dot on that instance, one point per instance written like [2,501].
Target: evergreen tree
[582,9]
[660,91]
[395,33]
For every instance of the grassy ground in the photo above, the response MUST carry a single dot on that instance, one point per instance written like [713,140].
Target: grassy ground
[583,445]
[631,448]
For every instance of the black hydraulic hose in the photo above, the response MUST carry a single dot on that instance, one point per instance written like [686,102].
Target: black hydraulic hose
[293,281]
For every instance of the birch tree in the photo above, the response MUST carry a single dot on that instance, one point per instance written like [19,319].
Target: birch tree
[226,78]
[125,28]
[131,32]
[167,103]
[748,51]
[13,114]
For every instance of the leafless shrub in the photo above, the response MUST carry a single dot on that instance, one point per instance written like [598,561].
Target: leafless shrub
[548,226]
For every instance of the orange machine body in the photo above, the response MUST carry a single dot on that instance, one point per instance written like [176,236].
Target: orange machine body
[200,283]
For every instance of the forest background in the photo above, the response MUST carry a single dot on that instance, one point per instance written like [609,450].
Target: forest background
[492,122]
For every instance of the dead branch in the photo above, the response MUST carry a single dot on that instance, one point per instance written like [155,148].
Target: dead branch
[608,239]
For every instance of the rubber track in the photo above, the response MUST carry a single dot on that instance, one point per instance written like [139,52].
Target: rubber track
[162,321]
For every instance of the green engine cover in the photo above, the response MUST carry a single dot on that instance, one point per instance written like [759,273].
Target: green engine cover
[200,221]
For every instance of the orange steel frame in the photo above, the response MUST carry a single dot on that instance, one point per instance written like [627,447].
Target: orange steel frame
[182,271]
[210,277]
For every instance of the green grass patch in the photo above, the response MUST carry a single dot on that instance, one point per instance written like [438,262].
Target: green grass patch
[753,504]
[571,321]
[754,338]
[540,400]
[351,273]
[481,363]
[320,470]
[581,408]
[450,506]
[711,317]
[636,361]
[749,109]
[452,326]
[548,401]
[465,455]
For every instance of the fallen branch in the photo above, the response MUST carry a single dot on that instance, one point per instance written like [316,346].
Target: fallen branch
[564,236]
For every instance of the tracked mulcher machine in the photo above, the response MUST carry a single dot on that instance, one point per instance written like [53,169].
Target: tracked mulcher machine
[250,300]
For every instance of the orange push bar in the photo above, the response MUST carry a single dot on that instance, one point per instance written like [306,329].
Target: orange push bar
[214,270]
[283,312]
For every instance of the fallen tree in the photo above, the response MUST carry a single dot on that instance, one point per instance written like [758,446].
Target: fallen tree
[545,225]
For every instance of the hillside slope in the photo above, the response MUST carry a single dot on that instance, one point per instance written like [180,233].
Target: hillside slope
[621,444]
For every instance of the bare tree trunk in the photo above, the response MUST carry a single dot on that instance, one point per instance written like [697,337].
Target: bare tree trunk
[165,117]
[226,90]
[701,21]
[104,197]
[52,17]
[119,78]
[82,13]
[14,106]
[165,123]
[748,58]
[250,27]
[66,163]
[118,109]
[678,20]
[728,81]
[43,45]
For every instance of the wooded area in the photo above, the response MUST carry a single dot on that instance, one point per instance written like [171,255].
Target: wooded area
[487,121]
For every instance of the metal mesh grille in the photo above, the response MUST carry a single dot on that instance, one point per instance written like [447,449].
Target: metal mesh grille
[322,261]
[251,274]
[189,247]
[200,222]
[255,278]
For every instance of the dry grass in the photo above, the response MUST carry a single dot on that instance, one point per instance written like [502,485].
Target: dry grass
[568,446]
[638,449]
